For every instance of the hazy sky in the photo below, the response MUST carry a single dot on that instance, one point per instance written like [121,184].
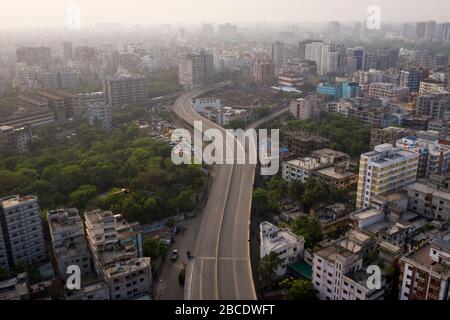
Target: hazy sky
[45,13]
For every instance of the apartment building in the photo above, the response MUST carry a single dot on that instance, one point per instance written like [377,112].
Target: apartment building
[21,229]
[100,113]
[387,135]
[425,273]
[434,153]
[129,279]
[117,252]
[65,106]
[305,108]
[338,274]
[68,241]
[290,79]
[410,79]
[195,70]
[95,289]
[433,105]
[431,86]
[287,245]
[125,89]
[278,54]
[300,169]
[57,80]
[391,91]
[430,197]
[337,177]
[387,168]
[15,139]
[263,71]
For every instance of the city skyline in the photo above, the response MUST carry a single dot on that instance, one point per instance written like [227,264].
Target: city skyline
[25,14]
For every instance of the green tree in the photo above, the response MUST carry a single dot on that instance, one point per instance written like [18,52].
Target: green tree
[267,268]
[316,193]
[309,228]
[302,290]
[277,189]
[261,201]
[154,248]
[296,190]
[82,195]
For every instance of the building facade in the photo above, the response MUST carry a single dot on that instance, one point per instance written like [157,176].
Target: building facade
[68,241]
[125,89]
[22,230]
[387,168]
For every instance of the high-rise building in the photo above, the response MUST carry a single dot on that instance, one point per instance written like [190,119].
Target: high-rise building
[325,55]
[100,112]
[278,54]
[305,108]
[125,89]
[410,79]
[68,51]
[434,105]
[302,48]
[263,71]
[421,28]
[33,55]
[21,230]
[359,55]
[313,52]
[195,70]
[430,30]
[385,169]
[68,241]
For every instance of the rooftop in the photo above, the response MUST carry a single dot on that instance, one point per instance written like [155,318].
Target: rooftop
[13,201]
[332,172]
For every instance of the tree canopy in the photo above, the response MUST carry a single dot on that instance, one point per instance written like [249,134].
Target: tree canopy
[301,290]
[86,171]
[346,134]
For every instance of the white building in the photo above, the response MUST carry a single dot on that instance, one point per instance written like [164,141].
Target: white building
[338,274]
[68,241]
[300,169]
[288,246]
[117,253]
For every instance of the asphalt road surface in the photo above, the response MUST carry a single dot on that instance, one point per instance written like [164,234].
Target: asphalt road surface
[220,268]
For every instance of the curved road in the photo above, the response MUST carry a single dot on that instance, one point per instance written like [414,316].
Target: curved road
[221,266]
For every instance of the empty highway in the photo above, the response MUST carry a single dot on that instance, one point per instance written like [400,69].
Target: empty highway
[221,266]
